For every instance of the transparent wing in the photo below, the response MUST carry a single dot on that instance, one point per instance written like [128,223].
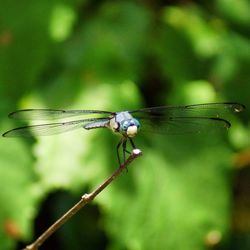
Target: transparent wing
[51,114]
[184,125]
[196,110]
[54,128]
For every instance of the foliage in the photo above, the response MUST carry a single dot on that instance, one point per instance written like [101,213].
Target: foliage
[118,55]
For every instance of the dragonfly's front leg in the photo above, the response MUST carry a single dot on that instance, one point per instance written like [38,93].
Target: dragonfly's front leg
[123,142]
[117,150]
[132,143]
[124,150]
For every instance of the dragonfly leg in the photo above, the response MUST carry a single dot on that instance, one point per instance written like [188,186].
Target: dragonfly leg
[117,150]
[124,149]
[132,143]
[123,143]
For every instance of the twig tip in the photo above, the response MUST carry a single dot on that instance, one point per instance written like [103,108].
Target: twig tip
[137,151]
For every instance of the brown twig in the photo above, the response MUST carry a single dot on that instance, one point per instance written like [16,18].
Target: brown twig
[85,199]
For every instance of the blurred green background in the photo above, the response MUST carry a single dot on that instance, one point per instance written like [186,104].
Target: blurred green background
[186,192]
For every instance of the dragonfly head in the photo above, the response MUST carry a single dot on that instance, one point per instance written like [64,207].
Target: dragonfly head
[130,127]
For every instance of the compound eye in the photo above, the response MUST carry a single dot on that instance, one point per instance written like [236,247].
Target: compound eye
[125,125]
[137,124]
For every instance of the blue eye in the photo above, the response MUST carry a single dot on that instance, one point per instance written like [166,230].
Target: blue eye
[136,123]
[125,125]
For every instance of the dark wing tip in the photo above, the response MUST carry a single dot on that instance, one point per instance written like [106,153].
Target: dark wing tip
[12,114]
[18,114]
[237,107]
[227,124]
[5,134]
[17,132]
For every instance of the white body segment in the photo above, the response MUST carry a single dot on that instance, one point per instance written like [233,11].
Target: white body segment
[113,125]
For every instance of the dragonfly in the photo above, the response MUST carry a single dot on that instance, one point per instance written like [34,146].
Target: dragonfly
[184,119]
